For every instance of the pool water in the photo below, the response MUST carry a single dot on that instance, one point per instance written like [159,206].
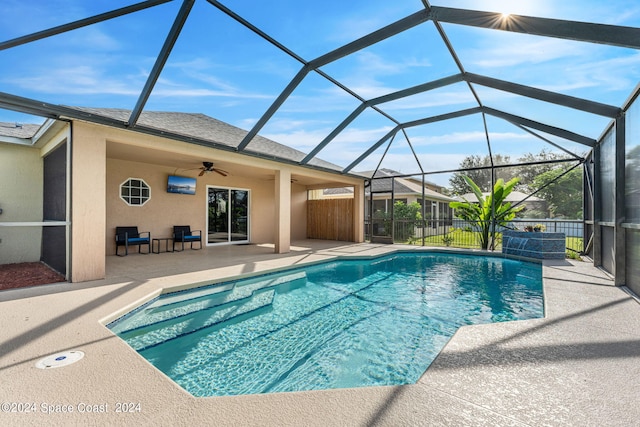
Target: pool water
[339,324]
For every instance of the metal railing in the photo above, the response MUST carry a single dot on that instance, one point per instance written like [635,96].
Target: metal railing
[464,234]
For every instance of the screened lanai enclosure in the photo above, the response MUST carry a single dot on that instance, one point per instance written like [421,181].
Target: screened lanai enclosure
[409,95]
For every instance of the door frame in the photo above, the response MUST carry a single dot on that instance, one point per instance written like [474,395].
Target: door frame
[229,241]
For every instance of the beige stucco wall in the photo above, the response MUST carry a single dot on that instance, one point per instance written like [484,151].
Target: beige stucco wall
[164,210]
[88,202]
[98,209]
[298,212]
[358,213]
[21,201]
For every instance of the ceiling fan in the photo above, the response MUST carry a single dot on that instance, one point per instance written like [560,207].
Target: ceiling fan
[208,167]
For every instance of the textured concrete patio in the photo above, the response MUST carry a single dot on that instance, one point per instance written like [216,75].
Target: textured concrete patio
[579,365]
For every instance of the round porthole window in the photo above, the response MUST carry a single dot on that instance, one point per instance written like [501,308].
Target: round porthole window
[135,192]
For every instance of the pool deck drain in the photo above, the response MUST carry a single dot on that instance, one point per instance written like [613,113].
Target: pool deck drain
[60,359]
[576,367]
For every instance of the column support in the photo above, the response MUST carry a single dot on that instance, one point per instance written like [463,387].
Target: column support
[358,213]
[283,211]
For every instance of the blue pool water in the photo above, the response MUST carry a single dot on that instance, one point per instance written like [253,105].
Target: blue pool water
[340,324]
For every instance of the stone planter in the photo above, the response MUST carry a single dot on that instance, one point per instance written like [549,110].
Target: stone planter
[539,245]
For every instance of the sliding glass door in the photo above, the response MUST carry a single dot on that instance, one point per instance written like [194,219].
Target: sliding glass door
[228,215]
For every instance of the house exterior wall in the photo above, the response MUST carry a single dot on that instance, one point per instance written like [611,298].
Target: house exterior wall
[298,212]
[282,201]
[95,207]
[164,210]
[409,198]
[88,202]
[358,213]
[21,175]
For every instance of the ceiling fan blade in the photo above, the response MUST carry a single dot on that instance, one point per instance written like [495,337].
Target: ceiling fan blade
[202,172]
[221,172]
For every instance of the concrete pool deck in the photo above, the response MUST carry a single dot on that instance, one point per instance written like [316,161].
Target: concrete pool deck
[580,365]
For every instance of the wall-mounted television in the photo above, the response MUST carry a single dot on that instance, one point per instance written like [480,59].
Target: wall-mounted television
[181,185]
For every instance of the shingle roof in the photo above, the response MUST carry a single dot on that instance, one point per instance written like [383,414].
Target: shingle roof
[207,128]
[337,191]
[403,186]
[25,131]
[390,172]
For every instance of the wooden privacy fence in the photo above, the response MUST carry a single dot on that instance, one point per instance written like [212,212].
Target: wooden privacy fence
[330,219]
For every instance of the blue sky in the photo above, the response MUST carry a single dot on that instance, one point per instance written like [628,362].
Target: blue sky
[221,69]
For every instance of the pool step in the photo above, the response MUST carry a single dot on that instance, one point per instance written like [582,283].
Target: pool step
[302,318]
[300,341]
[165,330]
[181,304]
[361,284]
[172,299]
[185,297]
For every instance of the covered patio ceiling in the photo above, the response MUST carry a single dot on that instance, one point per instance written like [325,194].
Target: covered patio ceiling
[190,164]
[406,85]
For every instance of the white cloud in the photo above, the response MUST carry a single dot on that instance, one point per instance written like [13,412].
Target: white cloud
[467,137]
[519,50]
[366,136]
[315,101]
[76,79]
[304,139]
[375,64]
[618,73]
[93,38]
[247,123]
[431,99]
[363,72]
[348,28]
[203,69]
[406,164]
[170,87]
[301,139]
[96,79]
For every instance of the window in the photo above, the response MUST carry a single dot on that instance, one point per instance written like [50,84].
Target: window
[379,206]
[446,214]
[135,192]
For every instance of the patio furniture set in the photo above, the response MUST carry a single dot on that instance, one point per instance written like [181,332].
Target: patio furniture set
[130,236]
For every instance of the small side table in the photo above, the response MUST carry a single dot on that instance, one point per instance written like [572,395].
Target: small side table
[155,244]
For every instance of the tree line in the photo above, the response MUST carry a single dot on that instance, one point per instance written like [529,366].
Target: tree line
[563,196]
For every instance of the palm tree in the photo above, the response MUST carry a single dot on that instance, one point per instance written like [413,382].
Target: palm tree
[488,211]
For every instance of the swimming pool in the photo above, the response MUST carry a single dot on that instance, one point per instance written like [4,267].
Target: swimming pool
[346,323]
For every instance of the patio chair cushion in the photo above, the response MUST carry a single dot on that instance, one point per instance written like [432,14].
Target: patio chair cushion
[126,236]
[135,240]
[183,234]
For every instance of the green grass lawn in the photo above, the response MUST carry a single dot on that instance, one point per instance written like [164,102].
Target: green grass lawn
[459,238]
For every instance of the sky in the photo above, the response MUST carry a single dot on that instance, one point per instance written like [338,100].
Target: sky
[222,69]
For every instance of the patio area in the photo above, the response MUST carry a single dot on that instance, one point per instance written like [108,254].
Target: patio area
[577,366]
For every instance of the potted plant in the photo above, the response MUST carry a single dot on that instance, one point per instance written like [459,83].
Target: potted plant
[539,227]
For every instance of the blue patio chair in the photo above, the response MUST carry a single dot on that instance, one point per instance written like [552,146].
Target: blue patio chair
[129,236]
[183,234]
